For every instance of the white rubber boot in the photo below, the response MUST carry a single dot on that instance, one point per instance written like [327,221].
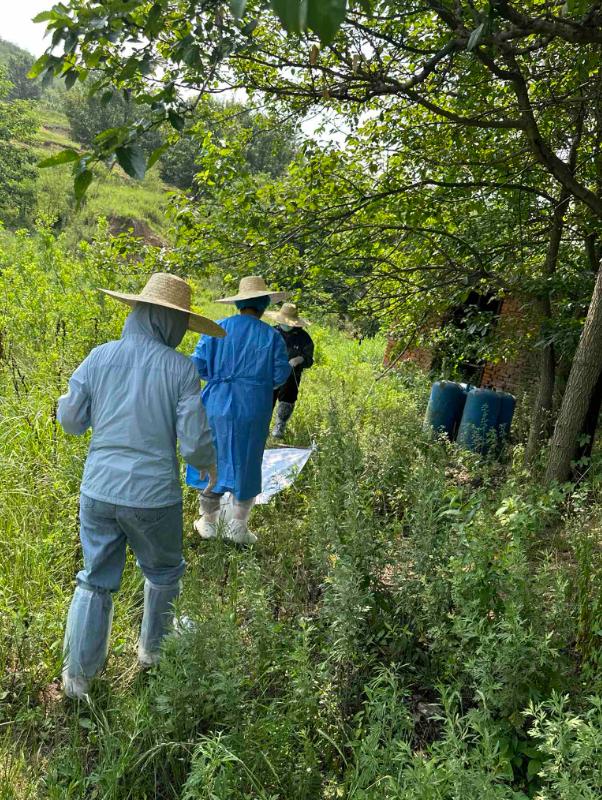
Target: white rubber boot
[205,528]
[76,688]
[207,524]
[236,531]
[146,659]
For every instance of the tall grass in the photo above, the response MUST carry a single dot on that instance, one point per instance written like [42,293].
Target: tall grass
[412,624]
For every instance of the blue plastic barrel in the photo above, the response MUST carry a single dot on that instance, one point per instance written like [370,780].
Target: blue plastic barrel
[478,427]
[445,407]
[504,421]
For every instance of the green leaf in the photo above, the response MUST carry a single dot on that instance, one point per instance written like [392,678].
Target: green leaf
[38,67]
[290,15]
[153,21]
[176,120]
[70,79]
[505,771]
[44,16]
[325,17]
[237,7]
[475,37]
[132,160]
[191,55]
[81,183]
[248,29]
[132,65]
[577,7]
[110,138]
[156,155]
[92,58]
[533,768]
[529,750]
[64,157]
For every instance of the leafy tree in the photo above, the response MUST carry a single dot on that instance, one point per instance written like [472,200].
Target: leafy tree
[18,125]
[180,163]
[264,143]
[23,88]
[88,117]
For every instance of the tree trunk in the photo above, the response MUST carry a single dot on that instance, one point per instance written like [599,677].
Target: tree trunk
[541,416]
[588,432]
[540,427]
[585,371]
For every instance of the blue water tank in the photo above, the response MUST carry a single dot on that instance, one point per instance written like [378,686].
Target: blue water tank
[504,421]
[478,426]
[445,407]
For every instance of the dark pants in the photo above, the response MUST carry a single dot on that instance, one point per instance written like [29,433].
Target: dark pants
[289,391]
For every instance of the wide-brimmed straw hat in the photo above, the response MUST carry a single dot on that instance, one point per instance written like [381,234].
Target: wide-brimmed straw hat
[163,289]
[288,315]
[254,286]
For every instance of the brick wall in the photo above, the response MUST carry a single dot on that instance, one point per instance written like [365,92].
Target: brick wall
[421,356]
[512,375]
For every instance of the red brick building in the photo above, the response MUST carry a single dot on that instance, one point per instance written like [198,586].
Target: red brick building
[515,331]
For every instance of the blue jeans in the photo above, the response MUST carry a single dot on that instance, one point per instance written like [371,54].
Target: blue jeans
[155,536]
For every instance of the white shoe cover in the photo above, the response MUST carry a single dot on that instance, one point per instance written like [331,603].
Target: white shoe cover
[76,688]
[147,659]
[183,624]
[238,532]
[206,530]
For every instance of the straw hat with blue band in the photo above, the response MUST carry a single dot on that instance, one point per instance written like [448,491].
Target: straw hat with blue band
[163,289]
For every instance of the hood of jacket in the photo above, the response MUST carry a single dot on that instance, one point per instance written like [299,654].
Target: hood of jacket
[158,322]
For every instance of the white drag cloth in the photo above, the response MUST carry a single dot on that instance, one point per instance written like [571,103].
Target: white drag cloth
[279,469]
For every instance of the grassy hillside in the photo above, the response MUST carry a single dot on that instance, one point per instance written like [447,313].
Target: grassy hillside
[124,202]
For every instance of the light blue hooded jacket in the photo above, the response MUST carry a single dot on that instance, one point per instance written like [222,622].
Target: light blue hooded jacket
[140,397]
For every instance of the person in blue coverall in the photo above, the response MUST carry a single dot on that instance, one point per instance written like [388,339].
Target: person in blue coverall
[241,373]
[141,399]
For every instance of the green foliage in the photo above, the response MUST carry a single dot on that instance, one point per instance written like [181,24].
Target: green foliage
[18,126]
[230,140]
[570,766]
[405,628]
[90,116]
[23,88]
[226,34]
[8,50]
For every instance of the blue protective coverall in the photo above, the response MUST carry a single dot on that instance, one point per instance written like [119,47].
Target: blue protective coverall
[141,398]
[242,372]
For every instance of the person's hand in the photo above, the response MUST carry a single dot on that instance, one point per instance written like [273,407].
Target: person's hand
[210,473]
[296,361]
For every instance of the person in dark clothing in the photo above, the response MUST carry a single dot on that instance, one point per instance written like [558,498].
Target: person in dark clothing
[300,348]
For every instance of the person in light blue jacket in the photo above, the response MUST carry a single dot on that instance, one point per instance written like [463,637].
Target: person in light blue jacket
[140,398]
[241,372]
